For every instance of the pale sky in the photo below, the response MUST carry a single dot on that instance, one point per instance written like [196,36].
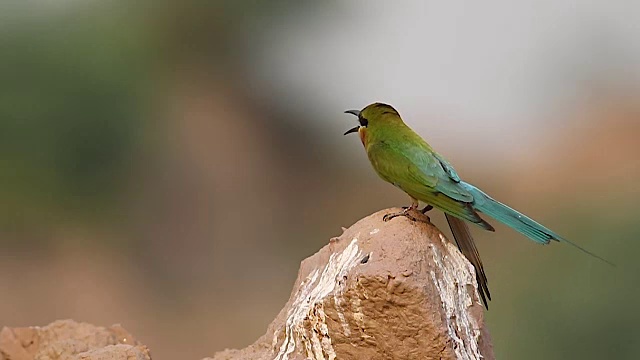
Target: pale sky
[480,70]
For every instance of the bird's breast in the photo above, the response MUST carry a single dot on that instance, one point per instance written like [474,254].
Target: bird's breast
[362,131]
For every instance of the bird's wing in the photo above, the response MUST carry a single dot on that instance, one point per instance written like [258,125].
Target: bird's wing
[447,167]
[421,175]
[394,165]
[449,181]
[420,164]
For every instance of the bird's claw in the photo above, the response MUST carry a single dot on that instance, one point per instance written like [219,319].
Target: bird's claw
[404,212]
[388,217]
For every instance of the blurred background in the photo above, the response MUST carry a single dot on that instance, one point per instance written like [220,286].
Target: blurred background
[166,165]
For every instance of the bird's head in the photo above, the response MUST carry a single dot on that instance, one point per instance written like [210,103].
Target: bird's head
[372,117]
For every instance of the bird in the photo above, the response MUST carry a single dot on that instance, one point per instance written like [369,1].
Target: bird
[404,159]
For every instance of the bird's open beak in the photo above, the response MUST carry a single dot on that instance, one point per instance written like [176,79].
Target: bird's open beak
[355,129]
[356,113]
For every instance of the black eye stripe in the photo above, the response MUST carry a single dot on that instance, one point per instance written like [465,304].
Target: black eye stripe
[363,122]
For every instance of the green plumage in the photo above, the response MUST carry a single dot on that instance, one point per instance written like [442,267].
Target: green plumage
[402,158]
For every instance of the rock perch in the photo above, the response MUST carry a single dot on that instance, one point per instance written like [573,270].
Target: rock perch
[70,340]
[382,290]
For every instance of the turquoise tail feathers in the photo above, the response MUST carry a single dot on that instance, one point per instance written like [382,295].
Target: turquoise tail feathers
[510,217]
[518,221]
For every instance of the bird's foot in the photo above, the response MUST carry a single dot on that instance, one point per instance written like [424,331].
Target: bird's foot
[388,217]
[404,212]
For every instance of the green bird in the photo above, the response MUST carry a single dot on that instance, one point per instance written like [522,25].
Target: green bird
[401,157]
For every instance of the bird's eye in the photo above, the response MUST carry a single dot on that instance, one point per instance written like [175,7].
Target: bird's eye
[363,122]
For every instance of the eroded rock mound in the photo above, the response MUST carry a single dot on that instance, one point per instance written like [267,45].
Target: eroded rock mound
[69,340]
[382,290]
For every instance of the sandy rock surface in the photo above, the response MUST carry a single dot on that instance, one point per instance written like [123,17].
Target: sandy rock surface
[69,340]
[381,290]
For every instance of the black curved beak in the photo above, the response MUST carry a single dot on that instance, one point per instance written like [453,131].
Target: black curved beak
[356,113]
[355,129]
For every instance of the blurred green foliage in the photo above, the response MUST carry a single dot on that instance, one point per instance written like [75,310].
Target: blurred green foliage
[72,106]
[584,311]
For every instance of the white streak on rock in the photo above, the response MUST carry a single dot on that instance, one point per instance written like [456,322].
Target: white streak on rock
[343,321]
[274,342]
[374,231]
[308,306]
[455,273]
[358,315]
